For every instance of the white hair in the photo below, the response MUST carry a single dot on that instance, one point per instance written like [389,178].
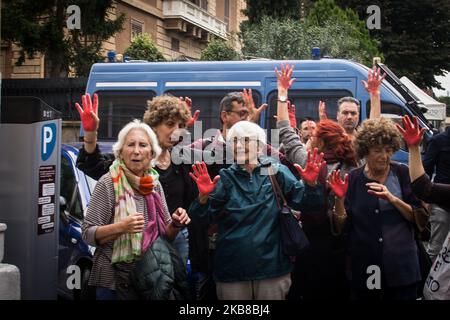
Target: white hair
[137,124]
[246,129]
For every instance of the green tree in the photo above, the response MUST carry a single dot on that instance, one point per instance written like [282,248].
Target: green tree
[414,36]
[256,9]
[143,48]
[219,50]
[40,26]
[294,39]
[325,11]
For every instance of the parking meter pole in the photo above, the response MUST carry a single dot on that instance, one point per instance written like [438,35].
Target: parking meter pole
[30,140]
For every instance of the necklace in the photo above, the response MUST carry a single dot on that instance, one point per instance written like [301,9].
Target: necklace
[164,159]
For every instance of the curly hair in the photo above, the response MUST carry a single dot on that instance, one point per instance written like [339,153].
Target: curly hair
[377,132]
[335,139]
[164,108]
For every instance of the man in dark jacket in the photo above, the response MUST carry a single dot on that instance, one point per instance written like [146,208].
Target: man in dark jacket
[437,160]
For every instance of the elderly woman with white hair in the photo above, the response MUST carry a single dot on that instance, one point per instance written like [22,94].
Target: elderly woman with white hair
[249,263]
[127,212]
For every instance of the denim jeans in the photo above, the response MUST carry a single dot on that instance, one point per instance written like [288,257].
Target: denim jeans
[181,243]
[105,294]
[440,226]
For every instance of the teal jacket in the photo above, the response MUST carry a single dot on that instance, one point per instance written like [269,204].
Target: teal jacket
[245,208]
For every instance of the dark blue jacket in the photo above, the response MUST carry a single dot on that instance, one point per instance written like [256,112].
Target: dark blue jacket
[385,239]
[437,157]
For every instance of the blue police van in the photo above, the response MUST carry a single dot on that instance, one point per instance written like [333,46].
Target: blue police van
[124,89]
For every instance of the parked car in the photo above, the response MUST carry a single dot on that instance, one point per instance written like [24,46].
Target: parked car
[75,192]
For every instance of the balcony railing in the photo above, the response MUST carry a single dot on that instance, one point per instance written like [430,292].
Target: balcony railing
[192,14]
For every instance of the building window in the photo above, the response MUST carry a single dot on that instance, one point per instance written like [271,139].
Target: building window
[201,3]
[175,45]
[204,4]
[136,28]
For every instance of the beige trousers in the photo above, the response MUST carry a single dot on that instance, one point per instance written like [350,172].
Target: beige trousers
[267,289]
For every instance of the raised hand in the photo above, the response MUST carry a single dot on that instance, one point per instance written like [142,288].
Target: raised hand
[194,117]
[253,112]
[374,80]
[338,185]
[291,111]
[89,113]
[284,76]
[202,179]
[314,164]
[322,111]
[412,132]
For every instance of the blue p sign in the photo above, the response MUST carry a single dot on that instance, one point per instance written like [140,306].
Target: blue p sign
[48,140]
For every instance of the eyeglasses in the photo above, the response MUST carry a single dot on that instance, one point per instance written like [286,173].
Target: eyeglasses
[244,140]
[241,114]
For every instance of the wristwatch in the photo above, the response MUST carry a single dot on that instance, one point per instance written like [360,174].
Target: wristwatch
[282,98]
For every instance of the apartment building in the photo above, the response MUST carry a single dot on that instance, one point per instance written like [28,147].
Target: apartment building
[180,29]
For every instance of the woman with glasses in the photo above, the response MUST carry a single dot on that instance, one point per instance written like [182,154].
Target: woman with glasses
[249,263]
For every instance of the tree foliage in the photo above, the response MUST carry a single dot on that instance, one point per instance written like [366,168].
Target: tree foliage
[143,48]
[219,50]
[338,33]
[256,9]
[40,26]
[414,36]
[326,11]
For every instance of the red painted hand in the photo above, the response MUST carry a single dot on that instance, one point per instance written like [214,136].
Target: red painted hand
[313,166]
[89,113]
[322,111]
[284,76]
[412,132]
[374,80]
[202,178]
[338,185]
[194,117]
[253,112]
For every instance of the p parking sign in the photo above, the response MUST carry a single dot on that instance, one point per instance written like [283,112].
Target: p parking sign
[48,140]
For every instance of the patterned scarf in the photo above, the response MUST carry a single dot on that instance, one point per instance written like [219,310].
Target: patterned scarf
[128,247]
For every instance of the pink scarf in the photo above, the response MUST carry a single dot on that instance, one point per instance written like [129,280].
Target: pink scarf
[156,225]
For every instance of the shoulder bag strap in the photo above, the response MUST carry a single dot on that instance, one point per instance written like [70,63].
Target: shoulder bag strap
[276,188]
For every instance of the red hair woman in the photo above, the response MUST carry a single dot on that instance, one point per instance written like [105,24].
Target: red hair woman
[320,272]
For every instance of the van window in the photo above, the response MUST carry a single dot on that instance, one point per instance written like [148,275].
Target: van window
[69,189]
[208,102]
[306,104]
[117,108]
[389,110]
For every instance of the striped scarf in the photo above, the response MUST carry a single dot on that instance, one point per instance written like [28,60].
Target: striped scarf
[127,247]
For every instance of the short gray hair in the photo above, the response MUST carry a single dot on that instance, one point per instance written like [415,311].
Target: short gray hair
[137,124]
[347,99]
[246,129]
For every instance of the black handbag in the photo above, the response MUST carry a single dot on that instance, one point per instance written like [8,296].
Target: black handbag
[293,238]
